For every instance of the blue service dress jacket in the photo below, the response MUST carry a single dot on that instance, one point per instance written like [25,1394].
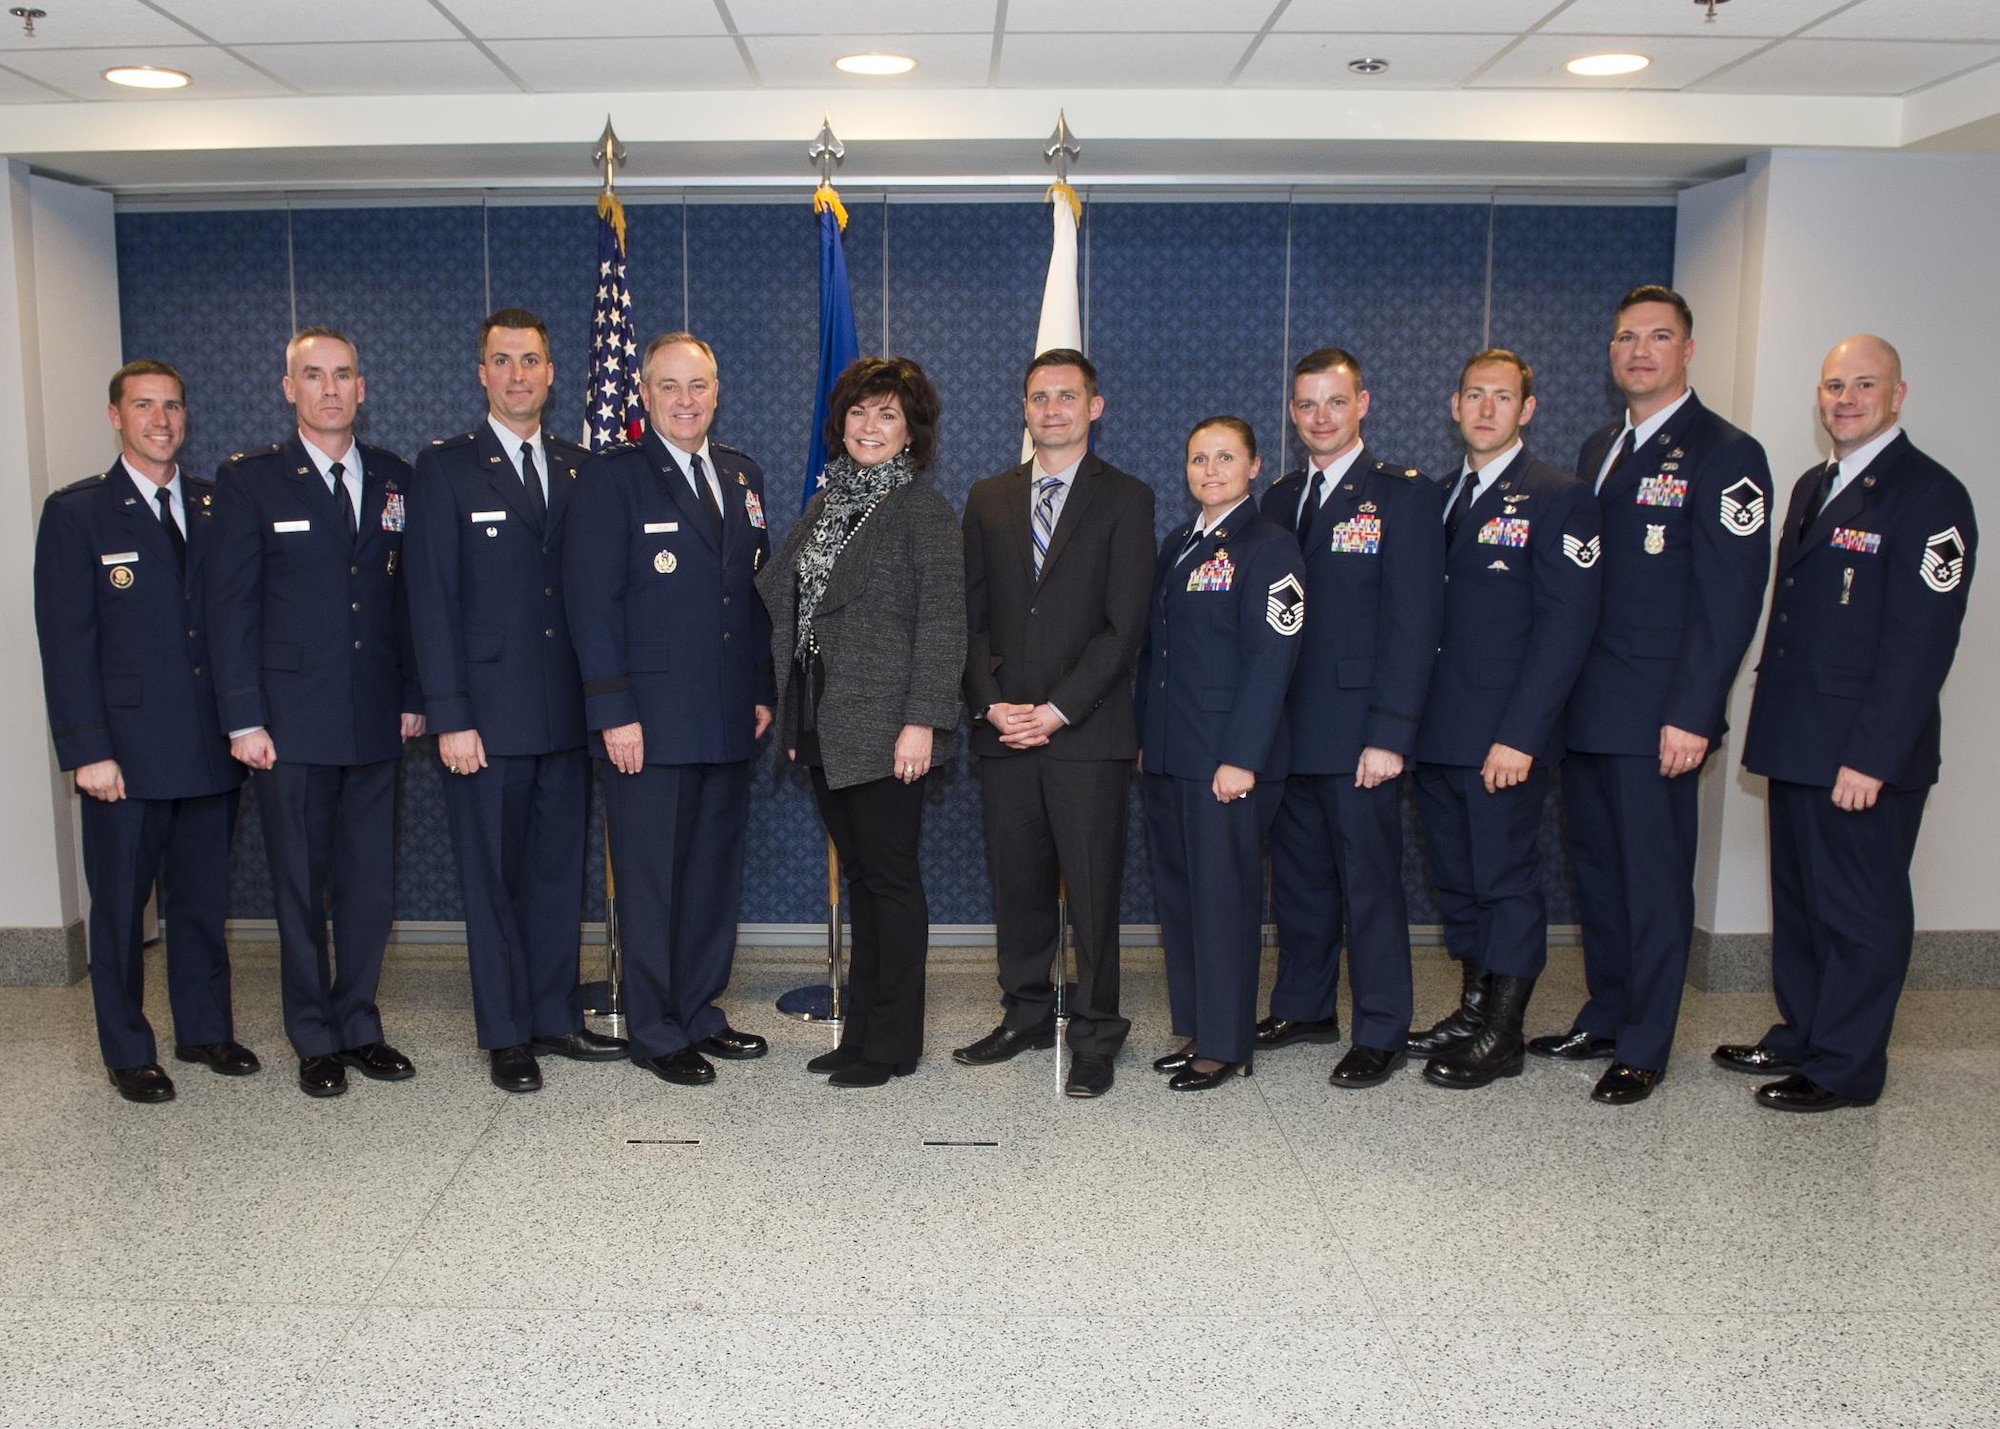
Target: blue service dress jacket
[668,626]
[1520,606]
[1865,619]
[1374,577]
[486,596]
[125,640]
[311,626]
[1687,547]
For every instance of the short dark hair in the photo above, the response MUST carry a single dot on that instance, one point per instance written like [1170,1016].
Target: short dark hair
[1657,293]
[896,377]
[145,367]
[1503,355]
[1327,359]
[518,319]
[321,331]
[1234,424]
[1063,357]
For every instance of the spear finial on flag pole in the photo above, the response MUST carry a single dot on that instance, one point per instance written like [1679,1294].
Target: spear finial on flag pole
[828,151]
[1062,315]
[1063,147]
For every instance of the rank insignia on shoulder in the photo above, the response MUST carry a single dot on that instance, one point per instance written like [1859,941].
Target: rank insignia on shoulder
[1743,508]
[1867,543]
[1943,567]
[1285,605]
[1583,553]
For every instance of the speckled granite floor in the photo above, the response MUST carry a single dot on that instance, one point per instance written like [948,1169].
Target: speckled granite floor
[437,1253]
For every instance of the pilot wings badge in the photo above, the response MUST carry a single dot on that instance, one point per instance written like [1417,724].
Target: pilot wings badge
[1743,509]
[1583,553]
[1943,567]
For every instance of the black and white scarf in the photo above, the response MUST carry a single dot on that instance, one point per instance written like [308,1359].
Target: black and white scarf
[850,492]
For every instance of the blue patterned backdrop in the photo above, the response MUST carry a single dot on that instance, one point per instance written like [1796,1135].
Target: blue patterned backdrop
[1189,314]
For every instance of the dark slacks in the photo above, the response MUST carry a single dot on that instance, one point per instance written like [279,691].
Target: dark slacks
[332,822]
[1337,859]
[1487,866]
[1048,818]
[1208,883]
[184,843]
[517,828]
[1632,839]
[876,828]
[677,862]
[1842,921]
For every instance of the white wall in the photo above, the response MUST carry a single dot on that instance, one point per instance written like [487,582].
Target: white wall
[1835,243]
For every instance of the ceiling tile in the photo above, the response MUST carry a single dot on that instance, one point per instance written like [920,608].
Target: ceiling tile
[1431,17]
[83,24]
[806,61]
[1415,61]
[406,67]
[582,20]
[1914,20]
[896,17]
[19,89]
[1537,62]
[216,74]
[1849,67]
[635,65]
[1734,19]
[247,22]
[1144,61]
[1123,16]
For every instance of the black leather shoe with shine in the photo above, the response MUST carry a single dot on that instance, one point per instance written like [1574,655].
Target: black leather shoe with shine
[1283,1031]
[149,1083]
[734,1046]
[514,1070]
[1575,1045]
[1622,1084]
[1003,1044]
[379,1062]
[1367,1067]
[1187,1079]
[685,1068]
[232,1059]
[1797,1093]
[322,1076]
[1751,1057]
[1089,1075]
[583,1045]
[1174,1061]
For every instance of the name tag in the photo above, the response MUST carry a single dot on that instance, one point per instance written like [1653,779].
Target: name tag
[656,528]
[118,558]
[489,516]
[284,526]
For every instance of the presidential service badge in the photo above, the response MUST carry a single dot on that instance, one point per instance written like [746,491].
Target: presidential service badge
[1743,508]
[1285,605]
[1943,567]
[665,562]
[1656,540]
[121,577]
[1583,553]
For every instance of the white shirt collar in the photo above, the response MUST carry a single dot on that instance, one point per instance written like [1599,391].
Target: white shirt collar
[1067,476]
[682,459]
[510,443]
[1646,430]
[1856,461]
[1335,469]
[1223,520]
[350,461]
[1491,472]
[147,486]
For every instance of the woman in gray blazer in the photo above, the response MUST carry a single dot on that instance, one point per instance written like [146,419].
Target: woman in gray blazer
[867,602]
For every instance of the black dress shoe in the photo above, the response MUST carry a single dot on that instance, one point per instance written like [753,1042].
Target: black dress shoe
[379,1062]
[833,1061]
[863,1073]
[583,1045]
[322,1076]
[1751,1057]
[685,1068]
[1283,1031]
[734,1046]
[1621,1084]
[514,1070]
[1089,1075]
[1174,1061]
[1797,1093]
[1187,1079]
[1575,1045]
[232,1059]
[149,1083]
[1003,1044]
[1367,1067]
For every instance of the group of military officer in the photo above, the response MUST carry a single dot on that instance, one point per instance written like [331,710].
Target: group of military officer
[319,604]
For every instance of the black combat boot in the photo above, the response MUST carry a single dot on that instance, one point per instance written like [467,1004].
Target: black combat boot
[1496,1050]
[1464,1022]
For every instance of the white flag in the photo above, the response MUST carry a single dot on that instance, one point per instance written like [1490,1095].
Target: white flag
[1062,316]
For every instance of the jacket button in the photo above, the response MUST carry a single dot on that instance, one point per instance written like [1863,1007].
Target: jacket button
[725,600]
[357,645]
[1788,582]
[354,570]
[548,590]
[1034,610]
[355,606]
[1783,618]
[197,672]
[190,635]
[725,635]
[1781,652]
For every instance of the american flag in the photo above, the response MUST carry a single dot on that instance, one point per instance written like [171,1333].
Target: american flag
[612,413]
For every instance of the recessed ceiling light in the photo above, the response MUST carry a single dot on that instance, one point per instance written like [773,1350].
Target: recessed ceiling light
[875,64]
[1596,66]
[1368,65]
[147,77]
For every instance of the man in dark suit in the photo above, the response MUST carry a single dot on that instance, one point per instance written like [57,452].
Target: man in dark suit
[1058,570]
[1374,560]
[502,694]
[1874,568]
[318,690]
[663,542]
[1683,497]
[1520,602]
[119,614]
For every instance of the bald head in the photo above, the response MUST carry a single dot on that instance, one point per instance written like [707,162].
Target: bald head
[1861,391]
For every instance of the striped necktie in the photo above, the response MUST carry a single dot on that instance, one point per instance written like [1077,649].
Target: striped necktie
[1046,491]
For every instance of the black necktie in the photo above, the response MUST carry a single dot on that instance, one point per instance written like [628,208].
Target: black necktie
[1618,458]
[531,481]
[1460,504]
[345,498]
[173,527]
[1314,494]
[1822,491]
[707,494]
